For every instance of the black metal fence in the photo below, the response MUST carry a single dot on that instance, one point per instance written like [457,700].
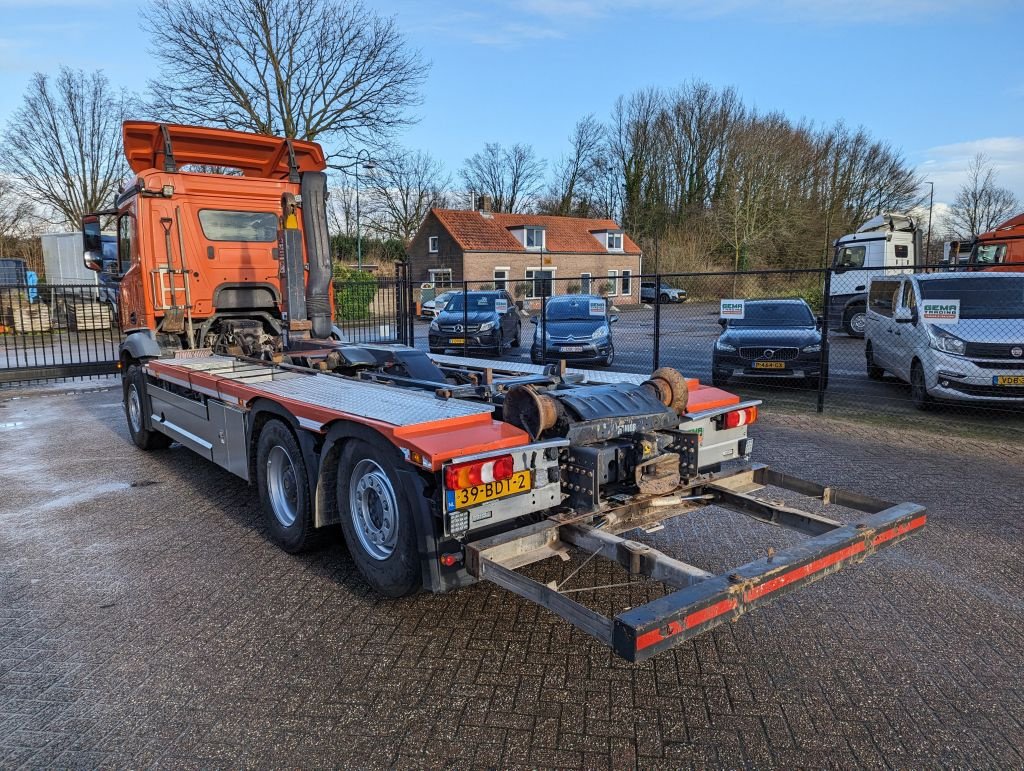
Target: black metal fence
[50,331]
[818,351]
[375,308]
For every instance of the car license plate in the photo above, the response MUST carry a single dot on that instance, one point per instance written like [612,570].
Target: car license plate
[769,365]
[1008,380]
[519,482]
[456,340]
[572,348]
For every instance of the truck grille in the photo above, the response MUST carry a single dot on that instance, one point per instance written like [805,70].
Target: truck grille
[760,352]
[993,350]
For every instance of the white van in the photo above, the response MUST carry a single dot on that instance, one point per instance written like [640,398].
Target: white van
[953,336]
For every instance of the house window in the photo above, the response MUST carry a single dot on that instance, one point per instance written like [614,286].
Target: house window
[614,242]
[535,238]
[613,282]
[432,244]
[627,282]
[539,282]
[440,277]
[584,283]
[501,278]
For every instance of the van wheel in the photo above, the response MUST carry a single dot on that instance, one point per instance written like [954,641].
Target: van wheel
[134,385]
[284,488]
[378,520]
[918,388]
[874,371]
[855,321]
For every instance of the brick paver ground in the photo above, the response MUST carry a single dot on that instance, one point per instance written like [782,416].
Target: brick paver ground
[146,620]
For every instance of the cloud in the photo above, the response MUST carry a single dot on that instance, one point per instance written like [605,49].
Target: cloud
[946,165]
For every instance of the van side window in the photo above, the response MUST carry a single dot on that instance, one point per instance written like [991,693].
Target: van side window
[882,295]
[850,256]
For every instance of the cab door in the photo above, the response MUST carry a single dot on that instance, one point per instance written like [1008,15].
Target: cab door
[904,334]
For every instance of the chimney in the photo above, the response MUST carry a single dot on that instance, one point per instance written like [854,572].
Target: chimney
[483,203]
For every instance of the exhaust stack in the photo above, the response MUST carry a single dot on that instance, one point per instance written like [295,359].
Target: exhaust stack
[318,252]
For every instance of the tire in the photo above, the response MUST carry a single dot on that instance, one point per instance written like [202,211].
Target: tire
[517,340]
[855,321]
[377,519]
[663,298]
[134,386]
[284,489]
[499,343]
[918,389]
[718,380]
[610,358]
[874,371]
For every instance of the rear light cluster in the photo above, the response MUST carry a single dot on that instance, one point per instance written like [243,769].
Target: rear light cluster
[478,472]
[738,418]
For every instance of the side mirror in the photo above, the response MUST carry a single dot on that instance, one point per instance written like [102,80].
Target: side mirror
[92,243]
[902,316]
[723,323]
[612,319]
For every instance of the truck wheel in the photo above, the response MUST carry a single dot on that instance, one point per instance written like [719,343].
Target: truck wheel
[855,321]
[874,371]
[134,410]
[377,519]
[918,388]
[284,490]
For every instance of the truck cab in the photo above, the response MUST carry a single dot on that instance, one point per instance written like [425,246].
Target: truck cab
[1001,249]
[887,243]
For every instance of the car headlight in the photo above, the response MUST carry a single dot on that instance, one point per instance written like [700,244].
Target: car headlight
[816,348]
[434,327]
[720,345]
[487,326]
[947,343]
[600,333]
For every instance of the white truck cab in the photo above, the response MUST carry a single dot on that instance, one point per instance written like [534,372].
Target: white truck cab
[955,336]
[885,244]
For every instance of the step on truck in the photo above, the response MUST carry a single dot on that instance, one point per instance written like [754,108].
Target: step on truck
[436,471]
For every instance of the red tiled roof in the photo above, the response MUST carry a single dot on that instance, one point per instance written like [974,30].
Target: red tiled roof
[475,232]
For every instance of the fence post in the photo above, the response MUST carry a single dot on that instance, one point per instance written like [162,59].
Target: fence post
[543,321]
[657,320]
[410,306]
[826,289]
[465,317]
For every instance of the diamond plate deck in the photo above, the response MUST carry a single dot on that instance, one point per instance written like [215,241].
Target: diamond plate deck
[394,406]
[524,368]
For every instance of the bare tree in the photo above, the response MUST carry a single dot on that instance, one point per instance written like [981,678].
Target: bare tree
[512,177]
[325,69]
[341,210]
[981,204]
[403,189]
[64,142]
[17,214]
[572,192]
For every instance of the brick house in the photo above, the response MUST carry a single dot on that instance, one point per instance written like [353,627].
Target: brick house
[531,255]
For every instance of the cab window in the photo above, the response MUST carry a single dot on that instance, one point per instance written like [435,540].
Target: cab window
[850,256]
[882,295]
[989,254]
[125,241]
[246,226]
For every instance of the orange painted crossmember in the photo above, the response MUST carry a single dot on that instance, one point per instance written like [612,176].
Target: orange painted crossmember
[703,397]
[255,155]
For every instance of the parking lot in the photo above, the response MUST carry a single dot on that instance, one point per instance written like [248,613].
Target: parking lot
[146,619]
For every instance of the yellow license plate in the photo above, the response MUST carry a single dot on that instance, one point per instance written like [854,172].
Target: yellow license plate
[456,341]
[769,365]
[1008,380]
[473,496]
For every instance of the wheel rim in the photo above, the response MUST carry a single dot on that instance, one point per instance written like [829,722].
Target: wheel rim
[282,486]
[374,510]
[134,409]
[858,322]
[917,388]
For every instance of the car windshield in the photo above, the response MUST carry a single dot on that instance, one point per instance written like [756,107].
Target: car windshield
[981,297]
[477,302]
[774,315]
[576,309]
[442,299]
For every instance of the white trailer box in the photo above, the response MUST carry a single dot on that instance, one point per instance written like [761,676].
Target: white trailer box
[62,257]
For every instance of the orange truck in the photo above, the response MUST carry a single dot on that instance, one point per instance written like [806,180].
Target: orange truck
[437,471]
[1000,249]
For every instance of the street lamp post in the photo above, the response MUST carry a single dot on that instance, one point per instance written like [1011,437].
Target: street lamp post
[928,246]
[369,165]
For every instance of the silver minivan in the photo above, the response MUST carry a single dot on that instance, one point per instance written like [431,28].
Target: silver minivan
[957,336]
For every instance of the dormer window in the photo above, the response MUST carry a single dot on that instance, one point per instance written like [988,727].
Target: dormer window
[614,241]
[534,238]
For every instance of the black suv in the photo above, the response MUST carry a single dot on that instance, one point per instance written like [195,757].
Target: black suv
[476,321]
[775,339]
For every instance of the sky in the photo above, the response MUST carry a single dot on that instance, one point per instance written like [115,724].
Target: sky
[939,79]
